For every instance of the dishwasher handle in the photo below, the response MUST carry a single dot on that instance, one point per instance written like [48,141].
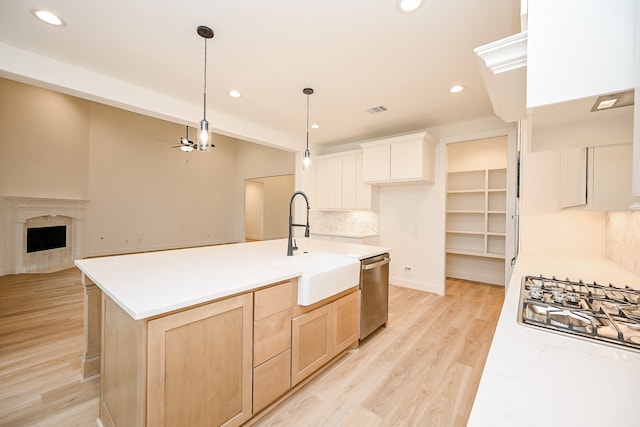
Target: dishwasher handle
[376,264]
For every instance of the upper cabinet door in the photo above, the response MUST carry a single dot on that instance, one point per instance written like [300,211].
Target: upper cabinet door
[573,177]
[399,159]
[406,160]
[329,182]
[376,163]
[349,181]
[339,182]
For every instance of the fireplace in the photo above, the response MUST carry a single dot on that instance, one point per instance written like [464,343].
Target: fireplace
[45,235]
[46,238]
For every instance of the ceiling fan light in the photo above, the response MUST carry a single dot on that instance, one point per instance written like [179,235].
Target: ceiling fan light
[186,148]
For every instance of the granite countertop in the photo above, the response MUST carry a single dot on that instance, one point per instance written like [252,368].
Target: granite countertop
[154,283]
[533,377]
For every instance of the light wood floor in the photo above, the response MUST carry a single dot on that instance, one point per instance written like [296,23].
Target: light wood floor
[41,335]
[422,370]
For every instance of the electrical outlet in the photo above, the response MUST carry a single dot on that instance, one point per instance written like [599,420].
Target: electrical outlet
[407,270]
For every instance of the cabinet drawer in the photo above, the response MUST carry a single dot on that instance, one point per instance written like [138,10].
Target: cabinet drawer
[271,336]
[271,380]
[273,300]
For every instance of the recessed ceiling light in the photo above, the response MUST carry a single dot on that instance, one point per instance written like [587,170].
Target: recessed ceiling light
[613,100]
[234,94]
[47,17]
[456,89]
[315,126]
[607,103]
[408,6]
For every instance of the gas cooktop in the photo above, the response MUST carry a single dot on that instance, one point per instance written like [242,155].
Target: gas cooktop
[607,314]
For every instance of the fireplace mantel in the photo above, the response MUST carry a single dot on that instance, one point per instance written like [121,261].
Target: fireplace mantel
[22,209]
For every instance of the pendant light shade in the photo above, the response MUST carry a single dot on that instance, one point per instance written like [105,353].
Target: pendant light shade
[306,161]
[204,135]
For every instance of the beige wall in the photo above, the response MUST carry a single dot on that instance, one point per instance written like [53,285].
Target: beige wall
[267,207]
[490,153]
[143,194]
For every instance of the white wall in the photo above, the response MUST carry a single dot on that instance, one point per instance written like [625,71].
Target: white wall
[410,226]
[545,227]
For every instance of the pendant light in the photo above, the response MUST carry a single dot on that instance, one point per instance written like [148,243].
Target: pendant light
[204,136]
[307,156]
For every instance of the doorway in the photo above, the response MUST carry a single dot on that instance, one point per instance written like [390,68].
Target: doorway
[267,207]
[476,210]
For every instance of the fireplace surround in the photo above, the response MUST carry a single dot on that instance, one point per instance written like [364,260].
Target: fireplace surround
[32,212]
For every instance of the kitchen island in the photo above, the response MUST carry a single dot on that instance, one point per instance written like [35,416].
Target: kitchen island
[534,377]
[212,335]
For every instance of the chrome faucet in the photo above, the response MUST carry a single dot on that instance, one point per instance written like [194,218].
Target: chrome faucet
[290,246]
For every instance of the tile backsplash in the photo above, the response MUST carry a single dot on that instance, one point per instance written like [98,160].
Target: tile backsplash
[347,223]
[623,239]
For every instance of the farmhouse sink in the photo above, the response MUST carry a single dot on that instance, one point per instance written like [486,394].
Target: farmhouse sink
[325,275]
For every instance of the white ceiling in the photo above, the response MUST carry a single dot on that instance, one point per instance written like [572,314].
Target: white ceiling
[356,54]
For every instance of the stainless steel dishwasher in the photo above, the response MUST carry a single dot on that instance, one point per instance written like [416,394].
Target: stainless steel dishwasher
[374,286]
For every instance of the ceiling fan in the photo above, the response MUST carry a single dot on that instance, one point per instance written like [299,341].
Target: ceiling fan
[186,144]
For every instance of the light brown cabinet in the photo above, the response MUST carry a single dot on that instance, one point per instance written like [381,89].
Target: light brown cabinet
[272,343]
[218,364]
[189,368]
[319,335]
[199,365]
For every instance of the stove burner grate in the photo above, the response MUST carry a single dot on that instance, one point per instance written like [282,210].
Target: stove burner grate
[606,314]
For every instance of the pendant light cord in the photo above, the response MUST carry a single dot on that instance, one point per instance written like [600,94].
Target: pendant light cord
[205,79]
[308,122]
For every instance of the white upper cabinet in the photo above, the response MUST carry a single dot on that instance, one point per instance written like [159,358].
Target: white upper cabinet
[329,182]
[400,159]
[597,178]
[339,182]
[577,49]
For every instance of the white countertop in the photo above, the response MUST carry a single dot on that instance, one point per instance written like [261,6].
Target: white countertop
[153,283]
[343,234]
[533,377]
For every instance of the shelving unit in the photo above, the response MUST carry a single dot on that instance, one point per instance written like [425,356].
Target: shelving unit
[476,225]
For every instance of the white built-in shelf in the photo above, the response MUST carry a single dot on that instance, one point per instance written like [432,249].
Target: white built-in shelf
[476,213]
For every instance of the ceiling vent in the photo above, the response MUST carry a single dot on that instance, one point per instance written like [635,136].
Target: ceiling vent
[377,109]
[614,100]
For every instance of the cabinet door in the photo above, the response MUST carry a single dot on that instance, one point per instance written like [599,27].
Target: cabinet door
[363,190]
[349,181]
[406,160]
[610,188]
[376,163]
[199,365]
[311,338]
[346,321]
[573,177]
[271,380]
[329,182]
